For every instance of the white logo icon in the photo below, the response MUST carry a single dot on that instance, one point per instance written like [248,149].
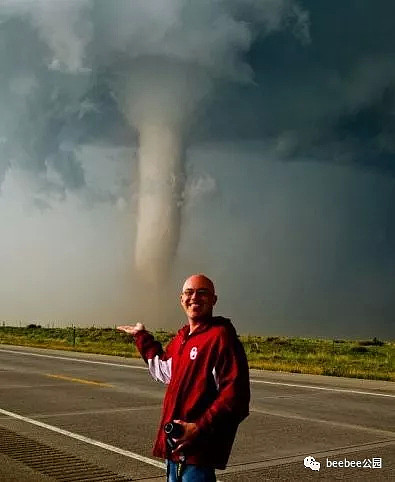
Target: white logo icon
[310,462]
[193,353]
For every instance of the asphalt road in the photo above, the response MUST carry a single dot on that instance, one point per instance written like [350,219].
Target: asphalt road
[69,416]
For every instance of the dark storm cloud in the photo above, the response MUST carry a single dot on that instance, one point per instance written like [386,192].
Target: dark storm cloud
[332,99]
[39,107]
[60,60]
[320,80]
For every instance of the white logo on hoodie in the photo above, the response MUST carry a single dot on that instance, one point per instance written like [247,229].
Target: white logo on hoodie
[193,353]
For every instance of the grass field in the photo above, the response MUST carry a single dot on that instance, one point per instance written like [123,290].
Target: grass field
[371,359]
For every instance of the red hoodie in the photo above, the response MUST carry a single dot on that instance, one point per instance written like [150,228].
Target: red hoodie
[208,383]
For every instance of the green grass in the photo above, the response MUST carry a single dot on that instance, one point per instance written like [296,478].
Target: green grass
[370,359]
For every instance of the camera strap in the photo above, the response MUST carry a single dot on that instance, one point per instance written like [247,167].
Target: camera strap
[180,467]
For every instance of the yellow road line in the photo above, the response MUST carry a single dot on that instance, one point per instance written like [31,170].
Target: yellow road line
[78,380]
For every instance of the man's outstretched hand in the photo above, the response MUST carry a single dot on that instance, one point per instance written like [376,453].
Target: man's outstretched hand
[190,433]
[131,330]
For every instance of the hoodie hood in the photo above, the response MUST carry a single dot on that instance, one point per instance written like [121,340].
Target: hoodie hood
[215,320]
[220,320]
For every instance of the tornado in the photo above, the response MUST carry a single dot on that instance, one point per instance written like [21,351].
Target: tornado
[161,176]
[161,99]
[167,67]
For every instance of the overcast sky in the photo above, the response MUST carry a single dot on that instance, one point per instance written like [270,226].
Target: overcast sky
[287,115]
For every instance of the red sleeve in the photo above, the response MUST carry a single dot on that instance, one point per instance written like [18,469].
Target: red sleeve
[149,348]
[232,402]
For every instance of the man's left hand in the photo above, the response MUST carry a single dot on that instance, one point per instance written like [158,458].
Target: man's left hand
[190,433]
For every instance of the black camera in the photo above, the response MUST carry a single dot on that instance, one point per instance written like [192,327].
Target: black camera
[173,430]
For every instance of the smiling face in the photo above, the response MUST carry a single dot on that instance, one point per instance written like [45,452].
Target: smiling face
[198,298]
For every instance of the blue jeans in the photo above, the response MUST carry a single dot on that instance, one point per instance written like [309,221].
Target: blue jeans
[191,473]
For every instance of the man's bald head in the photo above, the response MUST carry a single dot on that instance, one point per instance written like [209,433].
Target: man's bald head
[199,280]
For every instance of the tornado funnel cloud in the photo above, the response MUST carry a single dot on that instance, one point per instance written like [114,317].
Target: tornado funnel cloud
[160,191]
[160,101]
[166,75]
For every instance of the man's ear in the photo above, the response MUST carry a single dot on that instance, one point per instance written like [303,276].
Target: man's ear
[215,299]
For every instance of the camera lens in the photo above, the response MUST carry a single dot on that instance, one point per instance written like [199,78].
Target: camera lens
[173,429]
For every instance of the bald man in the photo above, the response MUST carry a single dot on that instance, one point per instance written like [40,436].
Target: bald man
[208,394]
